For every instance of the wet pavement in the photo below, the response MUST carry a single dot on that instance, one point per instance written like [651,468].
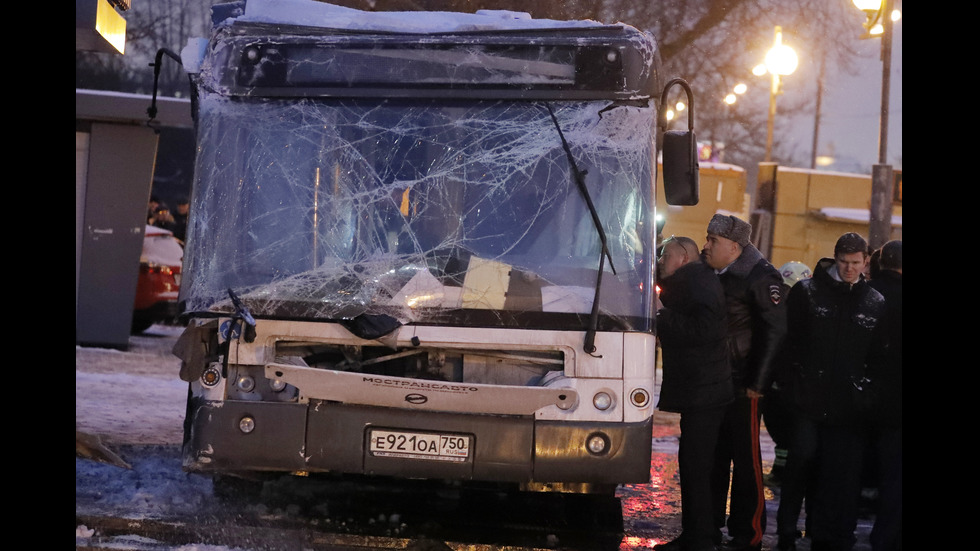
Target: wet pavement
[651,513]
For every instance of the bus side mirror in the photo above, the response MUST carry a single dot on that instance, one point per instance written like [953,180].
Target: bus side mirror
[680,161]
[680,156]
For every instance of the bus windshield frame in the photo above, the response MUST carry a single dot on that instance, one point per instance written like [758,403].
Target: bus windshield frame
[448,201]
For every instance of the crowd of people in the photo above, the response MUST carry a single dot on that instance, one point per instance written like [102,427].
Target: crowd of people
[159,214]
[816,354]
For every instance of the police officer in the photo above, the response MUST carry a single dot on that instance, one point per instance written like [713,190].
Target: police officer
[776,410]
[756,327]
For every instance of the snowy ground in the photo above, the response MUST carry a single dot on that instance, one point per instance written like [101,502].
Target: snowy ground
[132,396]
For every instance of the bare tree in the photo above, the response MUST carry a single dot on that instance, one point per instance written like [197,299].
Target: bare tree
[713,44]
[150,26]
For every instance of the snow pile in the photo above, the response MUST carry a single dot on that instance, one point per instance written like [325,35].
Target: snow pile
[320,14]
[853,215]
[133,396]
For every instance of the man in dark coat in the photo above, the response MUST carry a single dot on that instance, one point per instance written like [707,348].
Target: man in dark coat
[777,411]
[886,416]
[756,326]
[834,337]
[697,380]
[180,219]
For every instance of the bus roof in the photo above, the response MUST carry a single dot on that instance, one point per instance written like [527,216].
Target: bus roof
[304,48]
[320,14]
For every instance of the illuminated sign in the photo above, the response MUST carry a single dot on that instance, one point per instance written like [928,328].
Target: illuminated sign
[99,27]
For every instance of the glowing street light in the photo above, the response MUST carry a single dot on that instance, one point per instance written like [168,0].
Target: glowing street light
[737,91]
[671,114]
[875,9]
[780,60]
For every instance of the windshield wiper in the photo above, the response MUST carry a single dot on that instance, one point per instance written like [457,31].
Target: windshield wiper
[589,345]
[242,313]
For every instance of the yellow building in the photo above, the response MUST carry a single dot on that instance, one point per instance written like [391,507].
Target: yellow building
[813,208]
[723,189]
[807,212]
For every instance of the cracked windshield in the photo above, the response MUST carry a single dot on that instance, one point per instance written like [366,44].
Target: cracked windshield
[467,210]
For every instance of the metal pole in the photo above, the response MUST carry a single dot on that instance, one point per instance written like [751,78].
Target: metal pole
[772,115]
[816,116]
[886,71]
[772,100]
[882,176]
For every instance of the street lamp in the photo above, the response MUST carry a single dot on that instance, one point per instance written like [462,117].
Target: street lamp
[882,176]
[876,12]
[672,113]
[738,90]
[780,60]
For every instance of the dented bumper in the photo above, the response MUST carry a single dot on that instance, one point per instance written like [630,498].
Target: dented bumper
[322,436]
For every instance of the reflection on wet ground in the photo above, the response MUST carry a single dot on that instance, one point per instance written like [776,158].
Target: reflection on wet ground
[652,512]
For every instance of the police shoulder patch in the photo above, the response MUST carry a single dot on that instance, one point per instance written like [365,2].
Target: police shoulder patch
[775,294]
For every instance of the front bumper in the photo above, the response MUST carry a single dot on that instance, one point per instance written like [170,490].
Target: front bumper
[324,436]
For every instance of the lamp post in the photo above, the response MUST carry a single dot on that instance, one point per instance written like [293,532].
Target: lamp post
[882,175]
[780,60]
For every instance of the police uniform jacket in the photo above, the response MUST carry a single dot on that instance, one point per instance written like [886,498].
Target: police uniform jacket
[756,319]
[691,327]
[835,334]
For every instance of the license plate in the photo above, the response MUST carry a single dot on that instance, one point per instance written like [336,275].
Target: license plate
[420,445]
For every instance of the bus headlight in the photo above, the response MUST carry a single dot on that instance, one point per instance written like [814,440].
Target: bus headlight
[245,383]
[246,424]
[597,443]
[602,400]
[277,384]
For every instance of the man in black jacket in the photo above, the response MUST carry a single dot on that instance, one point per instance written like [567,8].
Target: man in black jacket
[834,340]
[756,326]
[886,417]
[697,380]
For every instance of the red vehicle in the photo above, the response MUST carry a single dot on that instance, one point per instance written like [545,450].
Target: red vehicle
[159,279]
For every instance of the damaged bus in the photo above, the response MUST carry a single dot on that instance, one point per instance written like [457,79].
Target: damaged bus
[424,252]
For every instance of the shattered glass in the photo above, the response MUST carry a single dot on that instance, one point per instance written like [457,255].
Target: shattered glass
[429,211]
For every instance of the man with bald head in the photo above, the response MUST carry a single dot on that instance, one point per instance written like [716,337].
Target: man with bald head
[697,380]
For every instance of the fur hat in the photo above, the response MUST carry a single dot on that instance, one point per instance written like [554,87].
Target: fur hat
[731,227]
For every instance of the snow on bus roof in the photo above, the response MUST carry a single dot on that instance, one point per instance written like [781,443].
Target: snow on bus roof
[320,14]
[312,13]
